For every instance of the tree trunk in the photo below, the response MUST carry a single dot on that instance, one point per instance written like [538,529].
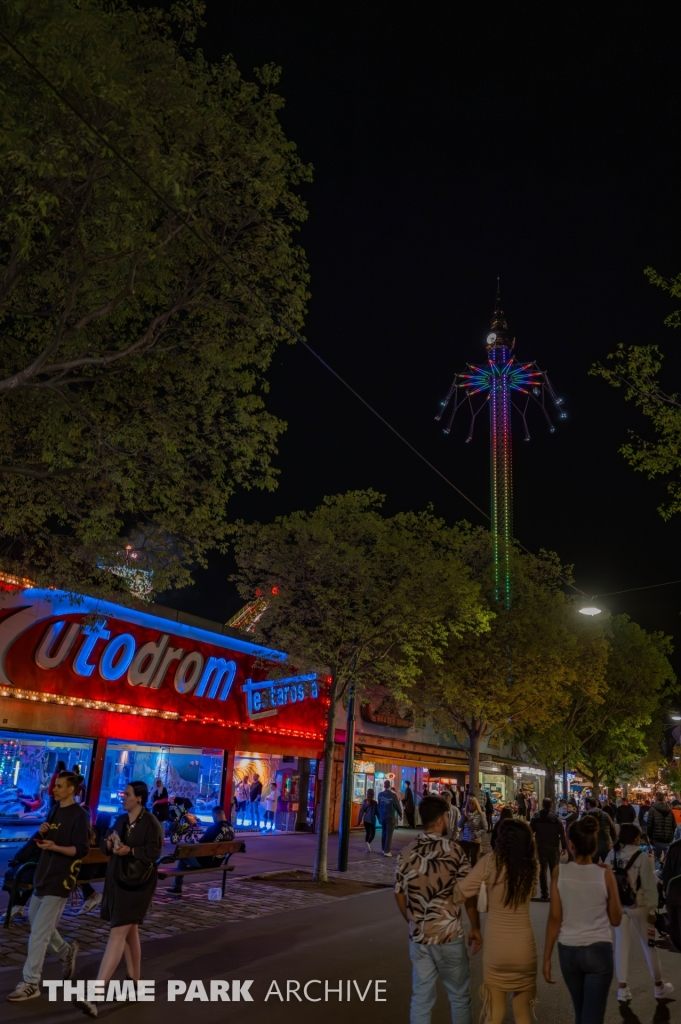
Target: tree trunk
[595,779]
[321,855]
[474,757]
[550,782]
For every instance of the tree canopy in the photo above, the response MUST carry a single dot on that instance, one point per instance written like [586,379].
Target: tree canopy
[132,352]
[609,737]
[636,369]
[516,677]
[365,597]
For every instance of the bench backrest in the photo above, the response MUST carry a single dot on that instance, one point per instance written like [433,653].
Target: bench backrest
[183,851]
[95,856]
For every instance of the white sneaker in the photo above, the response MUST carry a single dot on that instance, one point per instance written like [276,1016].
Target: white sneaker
[17,912]
[91,903]
[387,854]
[88,1008]
[368,847]
[624,995]
[664,990]
[24,990]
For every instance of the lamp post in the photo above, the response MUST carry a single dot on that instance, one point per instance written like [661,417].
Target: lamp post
[348,764]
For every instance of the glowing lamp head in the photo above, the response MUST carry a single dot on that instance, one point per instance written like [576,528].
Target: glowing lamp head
[590,610]
[491,338]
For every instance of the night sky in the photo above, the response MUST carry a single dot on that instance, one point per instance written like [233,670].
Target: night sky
[452,144]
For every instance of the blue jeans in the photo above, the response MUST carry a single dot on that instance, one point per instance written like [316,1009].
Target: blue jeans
[387,829]
[659,848]
[449,963]
[587,972]
[254,812]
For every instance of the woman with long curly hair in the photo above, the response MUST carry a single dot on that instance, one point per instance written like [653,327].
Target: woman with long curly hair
[509,957]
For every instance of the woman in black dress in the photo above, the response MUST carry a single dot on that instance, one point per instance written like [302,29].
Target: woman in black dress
[135,845]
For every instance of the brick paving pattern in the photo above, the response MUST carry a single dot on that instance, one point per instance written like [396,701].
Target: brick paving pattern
[169,915]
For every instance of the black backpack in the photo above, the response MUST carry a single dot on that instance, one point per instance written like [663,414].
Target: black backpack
[624,887]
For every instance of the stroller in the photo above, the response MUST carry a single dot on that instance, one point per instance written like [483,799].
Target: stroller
[182,826]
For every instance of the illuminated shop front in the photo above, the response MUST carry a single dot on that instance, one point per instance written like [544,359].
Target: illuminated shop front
[126,693]
[528,779]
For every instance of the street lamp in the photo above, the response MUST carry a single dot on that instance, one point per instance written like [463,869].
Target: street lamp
[590,610]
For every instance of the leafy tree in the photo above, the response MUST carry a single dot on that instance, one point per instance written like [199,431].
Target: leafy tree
[636,370]
[133,349]
[364,597]
[610,738]
[519,675]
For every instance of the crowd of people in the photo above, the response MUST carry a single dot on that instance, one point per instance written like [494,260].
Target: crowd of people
[602,868]
[133,845]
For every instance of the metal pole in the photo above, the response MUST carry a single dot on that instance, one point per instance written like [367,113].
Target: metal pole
[348,764]
[565,778]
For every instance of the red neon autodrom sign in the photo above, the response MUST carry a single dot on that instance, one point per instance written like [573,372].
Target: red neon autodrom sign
[99,651]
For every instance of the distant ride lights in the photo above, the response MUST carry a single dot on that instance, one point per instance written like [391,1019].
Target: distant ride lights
[504,385]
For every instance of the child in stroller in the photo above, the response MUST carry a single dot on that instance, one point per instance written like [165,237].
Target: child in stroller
[182,826]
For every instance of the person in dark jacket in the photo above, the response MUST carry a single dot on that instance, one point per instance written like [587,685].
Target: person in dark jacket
[625,813]
[489,811]
[408,804]
[607,835]
[160,806]
[29,854]
[660,827]
[389,810]
[549,835]
[220,831]
[135,845]
[64,839]
[368,814]
[672,863]
[521,803]
[610,808]
[504,814]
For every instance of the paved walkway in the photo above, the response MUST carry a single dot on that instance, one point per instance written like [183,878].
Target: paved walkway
[244,899]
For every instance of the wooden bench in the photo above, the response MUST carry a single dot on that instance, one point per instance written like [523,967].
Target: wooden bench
[185,851]
[17,885]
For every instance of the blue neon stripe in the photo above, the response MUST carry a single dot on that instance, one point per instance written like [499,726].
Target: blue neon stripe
[78,604]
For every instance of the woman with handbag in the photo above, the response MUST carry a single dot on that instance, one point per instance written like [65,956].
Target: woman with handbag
[473,827]
[135,844]
[505,882]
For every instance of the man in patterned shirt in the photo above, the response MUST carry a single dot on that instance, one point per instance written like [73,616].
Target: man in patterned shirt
[427,871]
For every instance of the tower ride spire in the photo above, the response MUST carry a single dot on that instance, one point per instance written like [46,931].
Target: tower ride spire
[504,384]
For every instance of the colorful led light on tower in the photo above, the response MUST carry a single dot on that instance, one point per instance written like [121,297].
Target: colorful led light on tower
[504,384]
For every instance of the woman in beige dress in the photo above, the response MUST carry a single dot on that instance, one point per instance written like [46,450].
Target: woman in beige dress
[509,953]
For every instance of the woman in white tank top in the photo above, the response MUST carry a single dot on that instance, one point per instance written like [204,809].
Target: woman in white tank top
[584,906]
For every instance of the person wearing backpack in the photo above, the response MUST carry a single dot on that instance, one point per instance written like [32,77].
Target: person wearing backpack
[637,887]
[607,834]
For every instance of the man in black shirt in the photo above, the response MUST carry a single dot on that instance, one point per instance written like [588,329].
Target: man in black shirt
[219,832]
[64,839]
[625,813]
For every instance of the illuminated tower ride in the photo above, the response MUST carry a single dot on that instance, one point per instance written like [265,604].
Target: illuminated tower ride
[504,385]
